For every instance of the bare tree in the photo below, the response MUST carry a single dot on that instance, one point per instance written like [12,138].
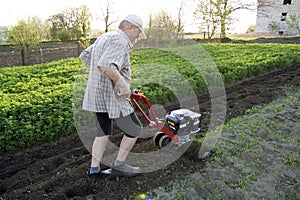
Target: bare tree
[180,25]
[107,11]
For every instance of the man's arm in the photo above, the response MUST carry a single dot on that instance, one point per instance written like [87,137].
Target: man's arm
[85,56]
[118,80]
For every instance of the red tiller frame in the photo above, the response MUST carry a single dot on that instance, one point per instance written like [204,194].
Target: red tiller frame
[138,97]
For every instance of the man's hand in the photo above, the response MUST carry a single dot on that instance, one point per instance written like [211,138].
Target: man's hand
[118,80]
[123,88]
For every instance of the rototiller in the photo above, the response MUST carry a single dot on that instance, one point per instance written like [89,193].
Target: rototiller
[177,127]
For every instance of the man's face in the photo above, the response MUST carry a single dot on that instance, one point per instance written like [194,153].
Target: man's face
[134,33]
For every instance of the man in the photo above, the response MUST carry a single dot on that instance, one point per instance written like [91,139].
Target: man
[107,94]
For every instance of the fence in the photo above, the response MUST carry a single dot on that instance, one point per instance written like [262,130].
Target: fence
[50,51]
[45,52]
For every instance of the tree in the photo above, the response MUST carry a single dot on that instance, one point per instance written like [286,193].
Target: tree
[26,35]
[57,23]
[208,19]
[84,25]
[161,25]
[164,20]
[180,26]
[218,12]
[71,24]
[106,12]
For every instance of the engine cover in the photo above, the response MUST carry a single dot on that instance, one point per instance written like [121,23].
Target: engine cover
[183,121]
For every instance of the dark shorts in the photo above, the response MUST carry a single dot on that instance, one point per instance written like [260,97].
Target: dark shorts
[130,125]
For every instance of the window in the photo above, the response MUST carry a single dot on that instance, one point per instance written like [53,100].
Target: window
[287,2]
[283,16]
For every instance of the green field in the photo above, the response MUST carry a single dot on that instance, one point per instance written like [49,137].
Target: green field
[36,101]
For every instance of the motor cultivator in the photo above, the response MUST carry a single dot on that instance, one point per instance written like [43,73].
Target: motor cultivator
[176,128]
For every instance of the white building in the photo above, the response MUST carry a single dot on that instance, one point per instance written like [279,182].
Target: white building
[273,17]
[3,34]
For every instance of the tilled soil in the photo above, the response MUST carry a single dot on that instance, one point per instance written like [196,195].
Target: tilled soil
[58,170]
[254,157]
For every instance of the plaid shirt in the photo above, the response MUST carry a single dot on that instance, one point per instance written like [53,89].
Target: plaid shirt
[109,50]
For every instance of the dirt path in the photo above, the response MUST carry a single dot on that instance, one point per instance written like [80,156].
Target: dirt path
[58,170]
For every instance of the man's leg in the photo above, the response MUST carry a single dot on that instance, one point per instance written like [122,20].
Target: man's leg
[132,128]
[98,150]
[126,145]
[103,131]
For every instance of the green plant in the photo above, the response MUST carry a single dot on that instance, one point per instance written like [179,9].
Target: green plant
[36,101]
[293,22]
[273,26]
[291,160]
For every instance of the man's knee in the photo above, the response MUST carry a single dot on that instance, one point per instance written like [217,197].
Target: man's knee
[103,124]
[130,125]
[134,133]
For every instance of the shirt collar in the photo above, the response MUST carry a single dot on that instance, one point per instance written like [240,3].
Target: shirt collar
[126,38]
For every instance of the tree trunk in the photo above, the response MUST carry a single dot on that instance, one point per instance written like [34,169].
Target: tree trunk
[223,28]
[23,56]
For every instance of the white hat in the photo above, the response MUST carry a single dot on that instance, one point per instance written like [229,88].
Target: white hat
[136,20]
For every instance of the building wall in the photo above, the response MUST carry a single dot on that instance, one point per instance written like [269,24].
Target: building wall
[275,14]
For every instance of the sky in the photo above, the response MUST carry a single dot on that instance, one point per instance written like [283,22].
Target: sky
[12,11]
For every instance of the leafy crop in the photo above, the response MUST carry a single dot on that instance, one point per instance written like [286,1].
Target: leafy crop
[237,62]
[36,101]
